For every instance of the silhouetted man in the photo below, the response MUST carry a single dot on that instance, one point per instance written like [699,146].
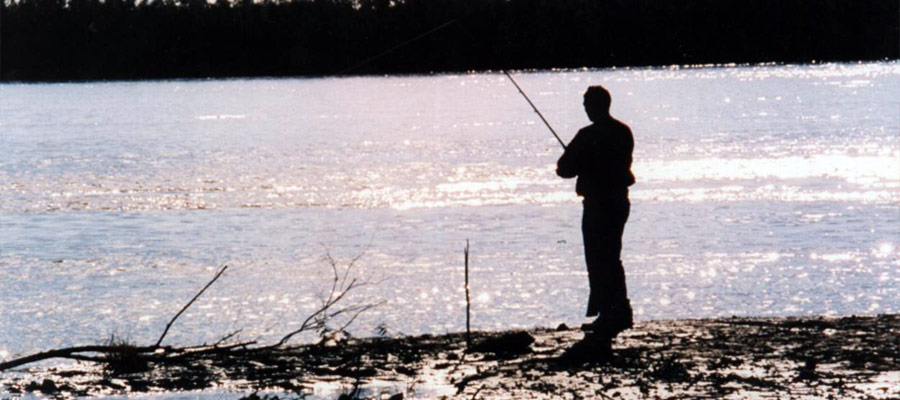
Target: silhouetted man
[600,156]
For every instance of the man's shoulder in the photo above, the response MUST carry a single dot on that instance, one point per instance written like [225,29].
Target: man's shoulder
[590,130]
[621,131]
[583,134]
[619,125]
[609,124]
[606,128]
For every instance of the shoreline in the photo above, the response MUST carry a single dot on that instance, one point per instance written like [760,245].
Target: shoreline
[841,357]
[571,69]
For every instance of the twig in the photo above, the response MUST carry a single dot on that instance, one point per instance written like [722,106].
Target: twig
[305,326]
[340,281]
[357,258]
[361,310]
[339,289]
[334,270]
[172,321]
[226,337]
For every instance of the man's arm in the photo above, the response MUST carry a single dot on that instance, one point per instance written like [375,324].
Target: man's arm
[567,166]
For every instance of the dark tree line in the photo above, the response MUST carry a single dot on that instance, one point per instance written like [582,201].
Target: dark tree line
[48,40]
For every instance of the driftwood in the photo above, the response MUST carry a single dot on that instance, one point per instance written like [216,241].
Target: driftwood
[126,357]
[73,353]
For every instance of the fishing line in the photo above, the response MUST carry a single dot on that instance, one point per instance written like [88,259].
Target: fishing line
[395,48]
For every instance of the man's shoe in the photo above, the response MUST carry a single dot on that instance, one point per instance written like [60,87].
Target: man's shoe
[594,326]
[616,326]
[593,348]
[621,319]
[612,323]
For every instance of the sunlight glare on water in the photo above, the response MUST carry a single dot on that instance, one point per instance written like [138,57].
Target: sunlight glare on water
[762,190]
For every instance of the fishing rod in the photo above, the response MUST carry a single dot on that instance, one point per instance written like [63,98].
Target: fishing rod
[561,143]
[431,31]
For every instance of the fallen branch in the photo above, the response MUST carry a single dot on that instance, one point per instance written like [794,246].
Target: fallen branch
[113,353]
[72,353]
[147,353]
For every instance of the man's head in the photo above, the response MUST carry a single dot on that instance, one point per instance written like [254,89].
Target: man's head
[596,103]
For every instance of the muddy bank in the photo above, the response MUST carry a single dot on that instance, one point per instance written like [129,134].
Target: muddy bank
[850,357]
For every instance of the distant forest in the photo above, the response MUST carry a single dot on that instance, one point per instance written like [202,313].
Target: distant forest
[59,40]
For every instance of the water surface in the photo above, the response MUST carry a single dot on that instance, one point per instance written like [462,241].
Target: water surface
[762,191]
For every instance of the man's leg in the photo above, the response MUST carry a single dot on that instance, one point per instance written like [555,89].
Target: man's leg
[592,233]
[602,226]
[617,307]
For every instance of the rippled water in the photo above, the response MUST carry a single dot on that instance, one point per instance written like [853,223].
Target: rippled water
[762,190]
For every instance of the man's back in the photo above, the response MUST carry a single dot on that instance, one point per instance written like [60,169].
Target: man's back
[600,155]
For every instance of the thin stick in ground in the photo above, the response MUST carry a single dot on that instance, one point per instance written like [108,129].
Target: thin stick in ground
[468,302]
[462,359]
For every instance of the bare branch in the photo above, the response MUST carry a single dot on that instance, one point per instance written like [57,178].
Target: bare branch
[361,310]
[172,321]
[303,327]
[334,270]
[339,289]
[226,337]
[357,258]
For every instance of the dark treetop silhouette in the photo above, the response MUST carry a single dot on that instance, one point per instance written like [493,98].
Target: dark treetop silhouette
[600,156]
[47,40]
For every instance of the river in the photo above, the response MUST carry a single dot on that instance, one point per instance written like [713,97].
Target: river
[769,190]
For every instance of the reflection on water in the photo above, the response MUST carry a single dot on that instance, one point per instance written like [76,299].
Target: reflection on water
[865,179]
[769,190]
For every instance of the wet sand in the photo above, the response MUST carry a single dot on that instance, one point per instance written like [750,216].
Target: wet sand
[849,357]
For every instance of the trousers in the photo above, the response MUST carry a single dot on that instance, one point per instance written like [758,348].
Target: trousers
[602,225]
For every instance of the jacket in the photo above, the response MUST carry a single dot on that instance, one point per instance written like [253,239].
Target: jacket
[600,156]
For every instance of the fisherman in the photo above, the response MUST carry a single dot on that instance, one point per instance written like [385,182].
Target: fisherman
[600,156]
